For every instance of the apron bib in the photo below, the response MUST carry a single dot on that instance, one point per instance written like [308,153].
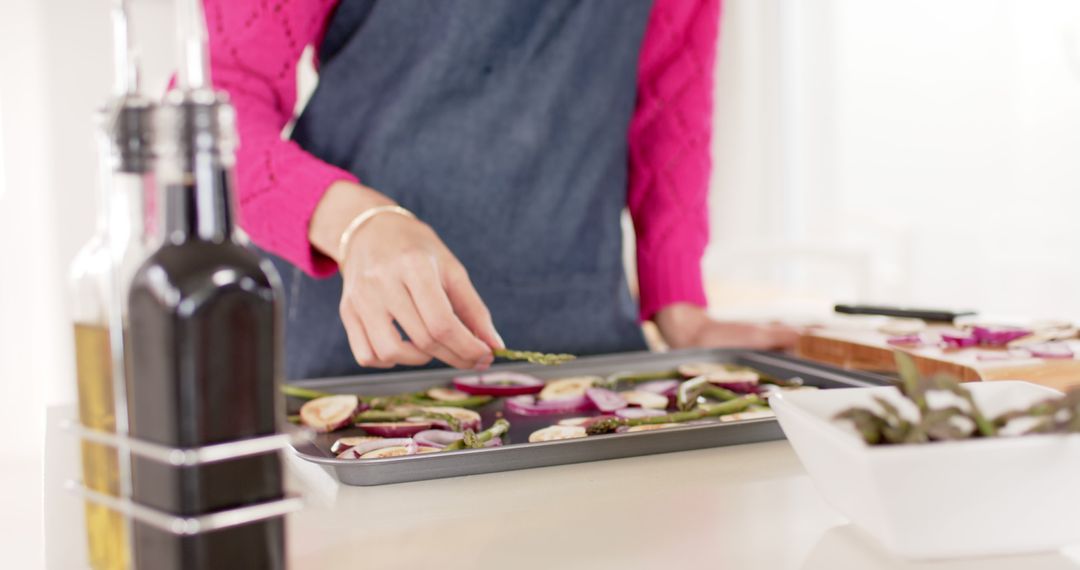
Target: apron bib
[502,124]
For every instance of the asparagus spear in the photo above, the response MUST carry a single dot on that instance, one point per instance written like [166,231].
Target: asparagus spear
[382,416]
[473,440]
[726,408]
[403,414]
[533,357]
[635,377]
[303,393]
[421,399]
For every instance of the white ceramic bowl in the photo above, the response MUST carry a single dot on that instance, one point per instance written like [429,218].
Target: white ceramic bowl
[945,499]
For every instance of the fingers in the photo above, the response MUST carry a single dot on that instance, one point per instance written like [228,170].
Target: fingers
[374,340]
[358,341]
[470,307]
[402,308]
[434,307]
[383,336]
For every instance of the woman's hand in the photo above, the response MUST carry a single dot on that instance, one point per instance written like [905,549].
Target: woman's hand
[685,326]
[397,269]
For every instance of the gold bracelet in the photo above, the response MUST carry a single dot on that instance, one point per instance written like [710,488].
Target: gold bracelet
[361,219]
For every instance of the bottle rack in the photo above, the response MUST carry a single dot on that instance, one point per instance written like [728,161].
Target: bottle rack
[186,457]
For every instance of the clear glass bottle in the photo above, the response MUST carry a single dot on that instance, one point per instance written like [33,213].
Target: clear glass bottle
[99,278]
[93,305]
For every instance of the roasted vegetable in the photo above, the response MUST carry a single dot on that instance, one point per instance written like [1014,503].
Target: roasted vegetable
[887,425]
[702,412]
[473,440]
[533,357]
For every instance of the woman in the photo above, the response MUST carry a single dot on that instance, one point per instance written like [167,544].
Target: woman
[465,164]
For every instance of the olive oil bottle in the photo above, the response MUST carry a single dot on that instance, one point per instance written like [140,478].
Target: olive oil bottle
[204,338]
[95,307]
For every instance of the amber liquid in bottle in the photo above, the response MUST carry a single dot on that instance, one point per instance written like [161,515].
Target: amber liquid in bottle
[106,529]
[204,333]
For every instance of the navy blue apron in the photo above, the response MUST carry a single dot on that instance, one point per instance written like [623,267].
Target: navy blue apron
[502,124]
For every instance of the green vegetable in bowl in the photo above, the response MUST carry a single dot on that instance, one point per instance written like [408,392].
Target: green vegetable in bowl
[961,420]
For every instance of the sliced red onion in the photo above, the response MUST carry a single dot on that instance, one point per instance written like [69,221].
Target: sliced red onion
[467,419]
[998,336]
[645,399]
[605,400]
[494,442]
[739,380]
[1001,355]
[446,394]
[396,451]
[345,443]
[436,423]
[958,339]
[528,406]
[738,387]
[695,369]
[566,388]
[437,437]
[356,451]
[395,429]
[638,413]
[329,413]
[499,384]
[1050,350]
[556,433]
[905,340]
[662,387]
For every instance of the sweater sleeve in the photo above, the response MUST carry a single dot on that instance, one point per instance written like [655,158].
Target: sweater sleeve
[255,47]
[670,163]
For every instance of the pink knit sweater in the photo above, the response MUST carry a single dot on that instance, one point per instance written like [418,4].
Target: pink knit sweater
[255,46]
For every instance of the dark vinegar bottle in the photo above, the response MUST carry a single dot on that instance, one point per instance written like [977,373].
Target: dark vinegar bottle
[205,340]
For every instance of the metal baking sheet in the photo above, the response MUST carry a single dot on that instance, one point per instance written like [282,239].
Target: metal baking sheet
[517,453]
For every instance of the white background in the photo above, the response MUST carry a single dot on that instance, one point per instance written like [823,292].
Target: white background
[920,152]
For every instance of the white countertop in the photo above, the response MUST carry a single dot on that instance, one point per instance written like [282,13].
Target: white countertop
[748,506]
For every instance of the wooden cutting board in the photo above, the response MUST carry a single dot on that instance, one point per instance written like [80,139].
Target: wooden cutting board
[868,350]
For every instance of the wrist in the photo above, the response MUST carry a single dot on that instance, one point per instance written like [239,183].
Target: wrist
[340,205]
[681,323]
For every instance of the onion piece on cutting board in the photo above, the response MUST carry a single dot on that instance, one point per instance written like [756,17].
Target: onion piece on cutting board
[1050,350]
[329,413]
[901,327]
[988,335]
